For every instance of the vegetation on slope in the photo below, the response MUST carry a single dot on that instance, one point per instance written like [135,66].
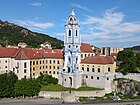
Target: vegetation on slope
[12,34]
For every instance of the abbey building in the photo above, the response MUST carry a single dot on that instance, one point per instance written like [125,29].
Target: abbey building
[75,66]
[94,71]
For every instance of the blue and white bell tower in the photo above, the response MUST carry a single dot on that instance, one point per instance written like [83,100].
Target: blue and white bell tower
[70,75]
[72,43]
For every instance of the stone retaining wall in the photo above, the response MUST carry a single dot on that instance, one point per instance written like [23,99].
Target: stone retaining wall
[54,94]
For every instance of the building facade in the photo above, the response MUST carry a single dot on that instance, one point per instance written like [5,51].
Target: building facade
[81,66]
[29,62]
[110,50]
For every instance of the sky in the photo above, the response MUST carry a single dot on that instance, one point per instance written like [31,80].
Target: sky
[103,23]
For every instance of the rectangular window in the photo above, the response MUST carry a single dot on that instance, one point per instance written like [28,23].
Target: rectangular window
[33,62]
[83,68]
[6,61]
[97,78]
[37,62]
[24,70]
[53,72]
[33,68]
[25,65]
[54,61]
[50,61]
[81,55]
[109,69]
[17,64]
[40,62]
[92,69]
[5,66]
[49,72]
[33,74]
[58,62]
[17,71]
[87,69]
[98,69]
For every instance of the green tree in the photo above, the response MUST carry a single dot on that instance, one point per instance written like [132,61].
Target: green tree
[138,60]
[7,84]
[47,79]
[128,61]
[27,87]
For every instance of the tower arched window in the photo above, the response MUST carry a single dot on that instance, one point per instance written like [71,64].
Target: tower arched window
[69,46]
[69,32]
[76,33]
[69,60]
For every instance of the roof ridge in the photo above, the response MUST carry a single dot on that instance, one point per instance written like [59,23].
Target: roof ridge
[21,55]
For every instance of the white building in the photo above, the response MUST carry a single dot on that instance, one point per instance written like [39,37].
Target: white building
[12,59]
[46,45]
[110,50]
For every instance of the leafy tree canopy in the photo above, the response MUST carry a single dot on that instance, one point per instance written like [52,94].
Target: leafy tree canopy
[129,61]
[7,84]
[47,79]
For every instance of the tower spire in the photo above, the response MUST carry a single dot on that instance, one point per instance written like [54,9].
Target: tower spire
[72,12]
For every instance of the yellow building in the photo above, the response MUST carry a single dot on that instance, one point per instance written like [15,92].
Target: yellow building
[48,64]
[86,50]
[98,64]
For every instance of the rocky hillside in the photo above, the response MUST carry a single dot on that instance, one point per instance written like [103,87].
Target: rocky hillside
[12,34]
[127,86]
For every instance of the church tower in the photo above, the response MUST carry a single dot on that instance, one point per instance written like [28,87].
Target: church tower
[70,75]
[72,43]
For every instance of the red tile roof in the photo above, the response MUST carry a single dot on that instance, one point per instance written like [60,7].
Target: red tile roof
[98,60]
[86,48]
[46,43]
[7,52]
[57,50]
[54,55]
[29,53]
[21,55]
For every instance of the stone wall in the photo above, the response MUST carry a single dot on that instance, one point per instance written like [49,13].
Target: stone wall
[73,94]
[133,76]
[50,94]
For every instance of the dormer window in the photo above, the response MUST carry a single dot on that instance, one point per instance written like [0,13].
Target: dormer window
[69,32]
